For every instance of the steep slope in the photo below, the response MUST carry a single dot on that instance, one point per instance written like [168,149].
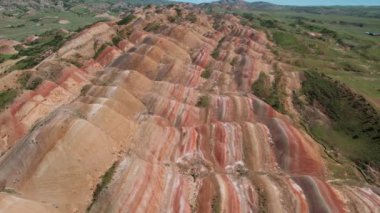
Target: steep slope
[163,126]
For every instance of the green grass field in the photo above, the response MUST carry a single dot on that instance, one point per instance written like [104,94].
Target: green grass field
[18,28]
[351,56]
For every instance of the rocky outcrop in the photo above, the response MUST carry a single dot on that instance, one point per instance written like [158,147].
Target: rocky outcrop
[150,132]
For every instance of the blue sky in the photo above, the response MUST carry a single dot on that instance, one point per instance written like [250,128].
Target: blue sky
[308,2]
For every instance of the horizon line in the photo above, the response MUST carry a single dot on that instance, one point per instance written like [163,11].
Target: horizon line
[296,5]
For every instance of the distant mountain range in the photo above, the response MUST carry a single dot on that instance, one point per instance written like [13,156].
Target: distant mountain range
[66,4]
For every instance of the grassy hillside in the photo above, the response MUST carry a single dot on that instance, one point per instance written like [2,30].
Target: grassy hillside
[24,18]
[340,48]
[18,28]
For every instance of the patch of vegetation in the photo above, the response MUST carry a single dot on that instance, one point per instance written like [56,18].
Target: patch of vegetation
[34,83]
[351,67]
[248,16]
[217,25]
[125,33]
[179,12]
[100,50]
[355,128]
[297,102]
[23,79]
[269,23]
[203,101]
[351,112]
[271,94]
[126,20]
[4,57]
[191,17]
[148,6]
[206,73]
[27,63]
[116,40]
[261,87]
[244,22]
[215,53]
[48,43]
[9,191]
[105,180]
[152,27]
[288,41]
[329,33]
[7,97]
[277,93]
[79,29]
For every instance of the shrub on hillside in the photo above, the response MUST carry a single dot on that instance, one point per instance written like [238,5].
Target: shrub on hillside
[206,73]
[7,97]
[203,101]
[126,20]
[100,50]
[152,27]
[116,40]
[23,79]
[191,17]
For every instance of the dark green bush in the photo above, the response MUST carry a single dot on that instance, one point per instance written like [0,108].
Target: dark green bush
[27,63]
[152,27]
[206,73]
[203,101]
[261,87]
[4,57]
[100,50]
[215,53]
[270,93]
[248,16]
[7,97]
[268,23]
[179,12]
[126,20]
[328,32]
[116,40]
